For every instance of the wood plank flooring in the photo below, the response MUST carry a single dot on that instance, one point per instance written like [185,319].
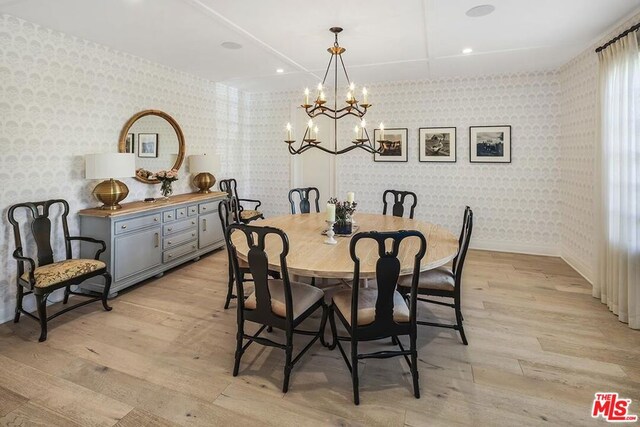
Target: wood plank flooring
[539,348]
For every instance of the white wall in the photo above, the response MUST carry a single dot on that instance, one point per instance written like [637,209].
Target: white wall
[516,206]
[62,97]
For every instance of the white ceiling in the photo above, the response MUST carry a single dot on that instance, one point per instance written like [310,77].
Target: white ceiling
[385,39]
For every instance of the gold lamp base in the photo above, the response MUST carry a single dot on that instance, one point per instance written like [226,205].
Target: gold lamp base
[111,192]
[204,181]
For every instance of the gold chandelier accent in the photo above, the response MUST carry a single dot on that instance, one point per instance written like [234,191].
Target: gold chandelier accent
[353,108]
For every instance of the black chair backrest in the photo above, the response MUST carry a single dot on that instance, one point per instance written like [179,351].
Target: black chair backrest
[258,261]
[463,245]
[230,186]
[387,274]
[397,209]
[226,213]
[304,195]
[41,229]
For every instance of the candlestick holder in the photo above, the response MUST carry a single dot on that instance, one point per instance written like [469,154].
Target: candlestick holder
[330,240]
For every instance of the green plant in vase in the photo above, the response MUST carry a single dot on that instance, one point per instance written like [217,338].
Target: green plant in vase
[166,177]
[344,211]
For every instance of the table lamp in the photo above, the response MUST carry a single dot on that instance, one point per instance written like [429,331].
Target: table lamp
[201,166]
[109,166]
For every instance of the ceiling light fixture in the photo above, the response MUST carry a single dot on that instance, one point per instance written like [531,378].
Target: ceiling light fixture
[479,11]
[467,50]
[279,71]
[231,45]
[355,108]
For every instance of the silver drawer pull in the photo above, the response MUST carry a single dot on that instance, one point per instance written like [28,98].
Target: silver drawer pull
[169,216]
[193,234]
[193,223]
[170,256]
[204,209]
[169,242]
[157,236]
[193,246]
[169,229]
[204,224]
[124,226]
[155,219]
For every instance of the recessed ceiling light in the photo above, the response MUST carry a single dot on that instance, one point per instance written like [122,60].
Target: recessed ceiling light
[467,50]
[279,71]
[231,45]
[482,10]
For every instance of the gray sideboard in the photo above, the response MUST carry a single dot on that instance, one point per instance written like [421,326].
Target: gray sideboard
[145,239]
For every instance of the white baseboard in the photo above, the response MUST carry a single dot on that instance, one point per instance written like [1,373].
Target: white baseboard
[519,248]
[583,269]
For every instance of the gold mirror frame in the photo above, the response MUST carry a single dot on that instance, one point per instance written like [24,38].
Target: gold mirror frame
[125,130]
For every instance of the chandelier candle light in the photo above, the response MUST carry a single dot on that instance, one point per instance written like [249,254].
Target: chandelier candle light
[353,108]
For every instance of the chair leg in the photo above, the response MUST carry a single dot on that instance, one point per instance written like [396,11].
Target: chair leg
[323,324]
[354,372]
[334,330]
[236,366]
[313,281]
[67,291]
[41,302]
[287,363]
[230,287]
[460,327]
[105,292]
[19,296]
[414,365]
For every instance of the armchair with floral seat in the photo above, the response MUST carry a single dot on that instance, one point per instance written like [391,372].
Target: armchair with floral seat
[49,275]
[245,216]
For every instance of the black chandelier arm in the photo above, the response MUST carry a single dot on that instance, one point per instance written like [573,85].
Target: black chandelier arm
[348,109]
[332,116]
[367,147]
[346,75]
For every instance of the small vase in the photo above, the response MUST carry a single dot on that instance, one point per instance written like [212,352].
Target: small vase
[343,227]
[166,189]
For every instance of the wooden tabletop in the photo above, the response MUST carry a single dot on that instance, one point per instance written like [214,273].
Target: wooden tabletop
[309,256]
[141,206]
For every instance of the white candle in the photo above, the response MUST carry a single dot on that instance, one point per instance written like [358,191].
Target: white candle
[352,87]
[306,96]
[315,131]
[363,123]
[351,196]
[364,95]
[356,130]
[349,96]
[322,97]
[331,212]
[289,132]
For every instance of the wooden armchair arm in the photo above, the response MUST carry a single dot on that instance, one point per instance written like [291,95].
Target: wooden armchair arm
[91,240]
[257,202]
[17,254]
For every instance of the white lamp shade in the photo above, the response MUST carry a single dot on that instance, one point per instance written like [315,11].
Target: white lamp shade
[204,163]
[110,165]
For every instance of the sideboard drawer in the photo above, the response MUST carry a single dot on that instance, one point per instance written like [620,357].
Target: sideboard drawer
[179,238]
[128,225]
[181,213]
[207,207]
[193,210]
[179,226]
[168,216]
[178,252]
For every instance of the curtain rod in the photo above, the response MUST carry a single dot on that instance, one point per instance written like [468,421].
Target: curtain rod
[618,37]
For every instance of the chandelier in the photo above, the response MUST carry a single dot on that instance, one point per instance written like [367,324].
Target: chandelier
[353,108]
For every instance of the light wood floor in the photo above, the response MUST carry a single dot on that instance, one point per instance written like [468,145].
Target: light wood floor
[539,348]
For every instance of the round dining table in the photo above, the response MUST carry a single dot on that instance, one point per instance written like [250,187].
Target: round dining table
[309,256]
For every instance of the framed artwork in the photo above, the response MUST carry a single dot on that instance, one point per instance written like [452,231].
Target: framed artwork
[129,144]
[437,144]
[490,144]
[147,145]
[394,143]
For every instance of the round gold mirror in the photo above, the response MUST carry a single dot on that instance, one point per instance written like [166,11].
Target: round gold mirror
[157,142]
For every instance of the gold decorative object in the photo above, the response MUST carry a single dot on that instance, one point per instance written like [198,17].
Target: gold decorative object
[110,165]
[201,165]
[319,107]
[204,181]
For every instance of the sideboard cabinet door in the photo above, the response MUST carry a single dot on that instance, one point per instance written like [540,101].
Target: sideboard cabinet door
[209,230]
[137,252]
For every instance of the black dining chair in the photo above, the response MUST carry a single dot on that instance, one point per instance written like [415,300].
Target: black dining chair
[49,275]
[304,199]
[397,208]
[243,215]
[374,314]
[276,303]
[444,281]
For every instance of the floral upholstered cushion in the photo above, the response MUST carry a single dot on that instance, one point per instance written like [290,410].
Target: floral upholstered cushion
[61,271]
[248,214]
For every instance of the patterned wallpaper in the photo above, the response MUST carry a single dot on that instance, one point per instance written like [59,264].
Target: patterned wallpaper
[62,97]
[579,106]
[517,205]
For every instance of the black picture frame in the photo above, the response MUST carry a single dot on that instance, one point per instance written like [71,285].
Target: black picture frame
[451,150]
[129,144]
[490,144]
[391,157]
[147,145]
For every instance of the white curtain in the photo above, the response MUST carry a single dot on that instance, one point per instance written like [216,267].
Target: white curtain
[618,284]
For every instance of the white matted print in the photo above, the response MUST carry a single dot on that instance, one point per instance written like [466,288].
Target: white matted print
[437,144]
[147,145]
[490,144]
[394,144]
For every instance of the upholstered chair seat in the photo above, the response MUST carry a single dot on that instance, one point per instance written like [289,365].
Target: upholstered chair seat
[367,306]
[58,272]
[440,279]
[249,214]
[304,296]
